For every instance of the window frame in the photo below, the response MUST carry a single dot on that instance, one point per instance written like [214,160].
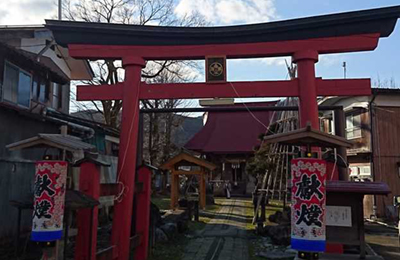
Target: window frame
[354,128]
[8,63]
[56,100]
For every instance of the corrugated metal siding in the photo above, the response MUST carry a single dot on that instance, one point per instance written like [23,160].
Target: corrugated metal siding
[16,183]
[16,172]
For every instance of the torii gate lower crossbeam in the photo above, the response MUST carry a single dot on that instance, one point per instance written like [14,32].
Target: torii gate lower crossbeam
[306,87]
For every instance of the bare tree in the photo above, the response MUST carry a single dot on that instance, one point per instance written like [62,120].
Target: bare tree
[385,83]
[139,12]
[160,128]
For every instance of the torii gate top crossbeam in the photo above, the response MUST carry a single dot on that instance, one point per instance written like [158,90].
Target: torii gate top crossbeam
[357,31]
[381,20]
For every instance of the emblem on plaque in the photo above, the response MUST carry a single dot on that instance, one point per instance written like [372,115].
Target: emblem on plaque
[216,69]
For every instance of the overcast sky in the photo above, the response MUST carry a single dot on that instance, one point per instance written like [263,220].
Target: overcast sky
[382,63]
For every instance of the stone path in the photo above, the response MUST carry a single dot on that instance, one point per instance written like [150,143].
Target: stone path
[383,240]
[224,237]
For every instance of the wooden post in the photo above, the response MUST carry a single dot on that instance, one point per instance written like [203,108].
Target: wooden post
[340,126]
[122,220]
[89,183]
[174,189]
[143,213]
[202,195]
[308,111]
[360,215]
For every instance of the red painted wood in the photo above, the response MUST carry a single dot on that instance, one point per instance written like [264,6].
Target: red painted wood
[344,87]
[283,88]
[122,220]
[143,213]
[336,87]
[308,107]
[89,183]
[353,43]
[109,189]
[106,92]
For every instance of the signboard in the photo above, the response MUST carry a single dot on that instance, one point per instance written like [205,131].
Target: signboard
[308,204]
[338,216]
[216,69]
[49,198]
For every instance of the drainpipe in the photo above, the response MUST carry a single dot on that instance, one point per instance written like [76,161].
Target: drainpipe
[371,115]
[88,132]
[42,51]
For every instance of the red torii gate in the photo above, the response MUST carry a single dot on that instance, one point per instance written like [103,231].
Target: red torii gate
[303,39]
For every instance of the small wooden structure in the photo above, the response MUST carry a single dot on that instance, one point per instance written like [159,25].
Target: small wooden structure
[307,136]
[187,164]
[344,202]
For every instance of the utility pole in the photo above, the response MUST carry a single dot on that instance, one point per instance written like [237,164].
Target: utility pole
[59,9]
[344,68]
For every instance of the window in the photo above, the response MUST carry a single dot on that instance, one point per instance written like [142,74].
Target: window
[57,96]
[43,92]
[353,126]
[327,126]
[56,91]
[40,90]
[360,172]
[17,85]
[35,89]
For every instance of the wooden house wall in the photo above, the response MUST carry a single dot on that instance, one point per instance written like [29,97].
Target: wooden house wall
[386,154]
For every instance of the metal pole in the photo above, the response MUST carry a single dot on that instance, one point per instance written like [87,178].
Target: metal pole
[59,9]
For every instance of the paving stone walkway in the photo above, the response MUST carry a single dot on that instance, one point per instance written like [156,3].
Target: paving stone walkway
[383,240]
[224,237]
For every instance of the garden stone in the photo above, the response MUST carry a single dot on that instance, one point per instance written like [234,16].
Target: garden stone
[170,229]
[161,236]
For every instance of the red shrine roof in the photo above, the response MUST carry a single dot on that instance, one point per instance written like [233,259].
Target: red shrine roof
[231,132]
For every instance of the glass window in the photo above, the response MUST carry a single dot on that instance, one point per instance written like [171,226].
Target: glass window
[35,89]
[56,90]
[24,89]
[17,85]
[10,84]
[42,92]
[353,126]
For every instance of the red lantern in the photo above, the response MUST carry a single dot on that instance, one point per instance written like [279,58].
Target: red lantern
[49,199]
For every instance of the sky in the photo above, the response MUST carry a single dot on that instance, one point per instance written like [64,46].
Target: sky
[379,64]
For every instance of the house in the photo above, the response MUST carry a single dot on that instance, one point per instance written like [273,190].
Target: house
[373,124]
[228,139]
[35,76]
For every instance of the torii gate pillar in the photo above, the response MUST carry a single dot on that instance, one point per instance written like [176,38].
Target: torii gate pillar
[122,221]
[308,107]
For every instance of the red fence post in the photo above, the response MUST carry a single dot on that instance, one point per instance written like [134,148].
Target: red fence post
[143,213]
[89,183]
